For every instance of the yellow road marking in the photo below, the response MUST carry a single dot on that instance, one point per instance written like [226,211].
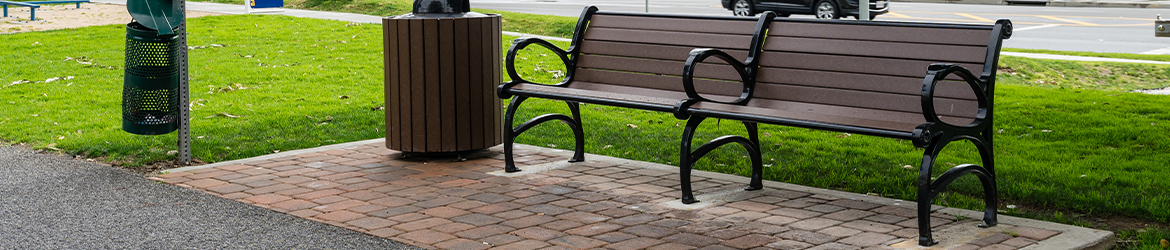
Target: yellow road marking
[976,18]
[896,14]
[1068,21]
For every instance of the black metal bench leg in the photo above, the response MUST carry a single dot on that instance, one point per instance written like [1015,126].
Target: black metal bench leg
[686,162]
[990,191]
[510,134]
[757,182]
[926,194]
[578,133]
[688,158]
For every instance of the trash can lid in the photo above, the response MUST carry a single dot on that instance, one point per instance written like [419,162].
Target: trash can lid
[440,9]
[161,15]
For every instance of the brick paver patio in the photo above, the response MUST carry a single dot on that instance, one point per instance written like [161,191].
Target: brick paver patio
[451,204]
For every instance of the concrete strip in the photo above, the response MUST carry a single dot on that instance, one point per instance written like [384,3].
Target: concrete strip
[1077,58]
[276,155]
[549,38]
[1071,237]
[532,169]
[712,199]
[1162,51]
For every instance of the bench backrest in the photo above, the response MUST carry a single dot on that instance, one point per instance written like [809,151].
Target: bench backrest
[871,69]
[629,52]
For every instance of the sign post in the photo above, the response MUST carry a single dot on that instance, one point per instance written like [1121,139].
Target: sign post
[863,9]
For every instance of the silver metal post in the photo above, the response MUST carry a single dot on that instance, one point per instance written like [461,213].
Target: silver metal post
[647,6]
[863,8]
[184,100]
[247,6]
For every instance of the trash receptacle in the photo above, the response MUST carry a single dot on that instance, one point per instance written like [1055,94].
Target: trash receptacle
[150,91]
[442,67]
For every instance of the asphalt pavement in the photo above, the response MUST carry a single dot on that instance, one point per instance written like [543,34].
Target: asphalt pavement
[1093,29]
[49,201]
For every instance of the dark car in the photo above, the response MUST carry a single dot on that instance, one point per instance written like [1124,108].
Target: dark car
[823,9]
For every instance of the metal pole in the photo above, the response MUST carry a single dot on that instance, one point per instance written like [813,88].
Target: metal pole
[184,100]
[647,6]
[864,10]
[247,7]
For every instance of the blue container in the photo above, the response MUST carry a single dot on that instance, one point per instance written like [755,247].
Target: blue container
[267,3]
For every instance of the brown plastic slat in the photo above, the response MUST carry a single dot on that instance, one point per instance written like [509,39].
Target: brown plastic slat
[862,99]
[745,27]
[475,42]
[694,40]
[447,81]
[974,37]
[488,73]
[662,67]
[853,64]
[498,124]
[405,91]
[858,117]
[930,52]
[880,83]
[434,121]
[462,84]
[418,74]
[610,92]
[652,51]
[646,81]
[390,46]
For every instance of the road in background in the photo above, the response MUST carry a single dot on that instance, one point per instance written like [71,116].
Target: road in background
[1124,30]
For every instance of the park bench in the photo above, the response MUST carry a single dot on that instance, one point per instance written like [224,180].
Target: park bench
[927,83]
[36,4]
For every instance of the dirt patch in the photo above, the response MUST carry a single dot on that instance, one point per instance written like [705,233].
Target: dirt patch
[67,16]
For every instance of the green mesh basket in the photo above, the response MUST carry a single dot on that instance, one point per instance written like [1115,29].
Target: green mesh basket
[150,92]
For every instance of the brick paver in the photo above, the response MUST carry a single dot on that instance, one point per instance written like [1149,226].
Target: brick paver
[460,205]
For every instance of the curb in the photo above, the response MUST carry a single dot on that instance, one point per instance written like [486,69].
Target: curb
[1058,3]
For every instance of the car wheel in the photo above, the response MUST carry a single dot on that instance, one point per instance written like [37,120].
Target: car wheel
[743,8]
[826,10]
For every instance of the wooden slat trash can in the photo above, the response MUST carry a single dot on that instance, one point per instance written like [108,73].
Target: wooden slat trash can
[441,72]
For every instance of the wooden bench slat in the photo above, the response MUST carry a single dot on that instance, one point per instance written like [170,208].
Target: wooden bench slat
[930,52]
[660,82]
[879,83]
[743,27]
[903,33]
[693,40]
[859,117]
[650,51]
[662,67]
[611,92]
[861,99]
[856,64]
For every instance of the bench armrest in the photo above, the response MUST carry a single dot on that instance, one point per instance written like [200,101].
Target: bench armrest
[699,55]
[510,63]
[935,126]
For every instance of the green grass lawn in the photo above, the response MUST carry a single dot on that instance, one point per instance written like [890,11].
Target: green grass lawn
[547,25]
[261,84]
[1073,141]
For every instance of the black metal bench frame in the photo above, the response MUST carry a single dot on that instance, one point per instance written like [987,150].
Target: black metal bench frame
[933,135]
